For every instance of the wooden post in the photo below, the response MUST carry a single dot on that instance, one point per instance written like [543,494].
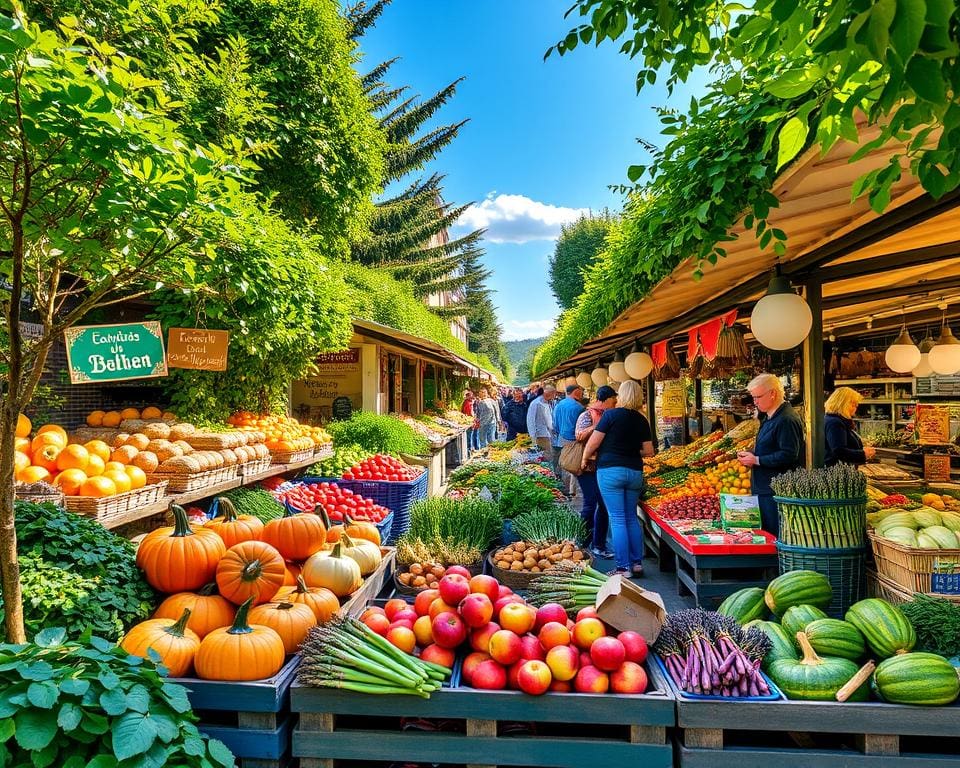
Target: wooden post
[813,377]
[698,404]
[320,722]
[482,728]
[651,387]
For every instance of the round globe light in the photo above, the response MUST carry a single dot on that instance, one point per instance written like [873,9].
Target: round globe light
[903,355]
[583,379]
[638,365]
[923,369]
[599,376]
[617,371]
[569,382]
[781,319]
[945,355]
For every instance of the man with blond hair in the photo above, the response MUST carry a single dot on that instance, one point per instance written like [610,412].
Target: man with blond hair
[778,448]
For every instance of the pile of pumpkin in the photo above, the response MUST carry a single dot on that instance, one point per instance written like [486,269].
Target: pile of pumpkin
[242,594]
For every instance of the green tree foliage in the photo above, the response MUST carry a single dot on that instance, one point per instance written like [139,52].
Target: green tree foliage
[577,248]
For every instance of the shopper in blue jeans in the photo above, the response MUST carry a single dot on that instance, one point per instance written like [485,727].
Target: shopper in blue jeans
[593,511]
[620,440]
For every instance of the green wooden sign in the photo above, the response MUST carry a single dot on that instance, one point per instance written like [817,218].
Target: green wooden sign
[98,353]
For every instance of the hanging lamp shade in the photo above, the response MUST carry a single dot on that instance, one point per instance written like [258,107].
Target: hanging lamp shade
[617,371]
[583,379]
[599,376]
[781,319]
[903,355]
[638,365]
[923,369]
[945,356]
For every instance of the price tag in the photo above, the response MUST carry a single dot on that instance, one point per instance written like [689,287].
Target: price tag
[936,468]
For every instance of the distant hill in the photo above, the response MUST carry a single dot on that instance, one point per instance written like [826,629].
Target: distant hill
[520,353]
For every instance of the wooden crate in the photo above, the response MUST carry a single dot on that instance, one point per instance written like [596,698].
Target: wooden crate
[485,728]
[252,718]
[372,585]
[809,734]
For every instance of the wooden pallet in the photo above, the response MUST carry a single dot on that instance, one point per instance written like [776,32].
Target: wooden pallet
[808,734]
[479,728]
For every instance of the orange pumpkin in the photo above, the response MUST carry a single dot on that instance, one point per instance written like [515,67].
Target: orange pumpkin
[250,570]
[181,557]
[356,529]
[293,572]
[208,610]
[241,651]
[296,535]
[334,532]
[172,640]
[320,600]
[292,621]
[232,527]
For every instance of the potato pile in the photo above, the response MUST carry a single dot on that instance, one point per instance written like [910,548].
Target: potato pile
[422,575]
[535,558]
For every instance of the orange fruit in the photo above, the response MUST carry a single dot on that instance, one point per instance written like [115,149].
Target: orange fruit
[73,457]
[111,419]
[71,481]
[33,474]
[98,487]
[95,419]
[98,448]
[130,413]
[138,441]
[47,438]
[23,426]
[120,479]
[20,462]
[22,444]
[46,456]
[95,466]
[56,428]
[138,478]
[124,454]
[151,412]
[114,465]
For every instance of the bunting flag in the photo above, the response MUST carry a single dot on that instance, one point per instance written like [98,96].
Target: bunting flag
[730,318]
[692,345]
[658,352]
[710,336]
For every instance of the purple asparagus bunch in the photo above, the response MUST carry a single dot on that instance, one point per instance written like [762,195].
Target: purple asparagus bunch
[706,653]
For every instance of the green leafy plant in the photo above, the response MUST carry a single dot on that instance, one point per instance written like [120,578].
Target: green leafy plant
[77,575]
[89,704]
[255,501]
[472,521]
[577,248]
[557,524]
[379,434]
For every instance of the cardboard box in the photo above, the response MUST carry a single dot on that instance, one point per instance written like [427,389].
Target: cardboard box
[625,606]
[738,511]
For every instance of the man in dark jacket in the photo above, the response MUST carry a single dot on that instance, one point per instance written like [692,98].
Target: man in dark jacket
[779,446]
[514,414]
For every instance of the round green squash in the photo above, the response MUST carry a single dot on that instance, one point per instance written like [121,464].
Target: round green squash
[884,626]
[744,605]
[781,645]
[833,637]
[798,588]
[796,618]
[815,678]
[925,679]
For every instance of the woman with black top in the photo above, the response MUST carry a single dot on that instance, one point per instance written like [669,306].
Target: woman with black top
[620,440]
[843,442]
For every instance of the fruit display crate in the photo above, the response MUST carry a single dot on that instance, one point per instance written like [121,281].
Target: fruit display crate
[255,467]
[372,585]
[193,481]
[916,569]
[109,508]
[252,718]
[485,728]
[815,734]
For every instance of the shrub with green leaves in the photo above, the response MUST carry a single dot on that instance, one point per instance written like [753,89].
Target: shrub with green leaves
[76,574]
[90,704]
[378,434]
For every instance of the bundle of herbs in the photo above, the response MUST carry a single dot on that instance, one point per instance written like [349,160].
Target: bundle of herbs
[442,552]
[572,585]
[471,521]
[515,493]
[554,523]
[936,622]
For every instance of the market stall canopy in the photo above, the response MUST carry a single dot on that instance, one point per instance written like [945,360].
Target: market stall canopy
[912,248]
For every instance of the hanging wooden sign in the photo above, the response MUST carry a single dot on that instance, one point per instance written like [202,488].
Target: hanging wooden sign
[97,353]
[200,349]
[933,425]
[936,468]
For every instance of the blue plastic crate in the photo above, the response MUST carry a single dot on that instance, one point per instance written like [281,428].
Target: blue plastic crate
[775,693]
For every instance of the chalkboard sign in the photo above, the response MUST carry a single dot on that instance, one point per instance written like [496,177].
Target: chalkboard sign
[936,468]
[342,408]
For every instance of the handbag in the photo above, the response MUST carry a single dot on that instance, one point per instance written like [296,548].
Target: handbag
[571,455]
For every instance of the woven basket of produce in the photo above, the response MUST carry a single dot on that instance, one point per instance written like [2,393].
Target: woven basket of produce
[414,578]
[83,435]
[106,509]
[292,457]
[517,564]
[192,481]
[38,493]
[251,468]
[324,451]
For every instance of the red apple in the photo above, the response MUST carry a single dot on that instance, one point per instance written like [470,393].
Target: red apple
[591,680]
[629,678]
[517,617]
[402,623]
[585,631]
[561,686]
[423,629]
[503,602]
[607,653]
[378,622]
[563,662]
[448,630]
[571,624]
[553,633]
[502,590]
[438,606]
[530,648]
[393,606]
[512,672]
[373,610]
[587,613]
[635,646]
[534,677]
[453,588]
[505,647]
[445,657]
[476,610]
[550,612]
[458,569]
[490,676]
[404,614]
[485,585]
[480,638]
[470,663]
[403,638]
[421,603]
[585,660]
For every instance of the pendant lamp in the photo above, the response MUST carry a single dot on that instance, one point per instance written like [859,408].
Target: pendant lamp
[945,354]
[583,379]
[599,375]
[638,365]
[781,319]
[923,369]
[903,355]
[617,371]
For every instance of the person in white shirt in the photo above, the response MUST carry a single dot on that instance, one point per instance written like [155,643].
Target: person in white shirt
[540,421]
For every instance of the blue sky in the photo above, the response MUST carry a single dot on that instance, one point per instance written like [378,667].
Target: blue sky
[545,138]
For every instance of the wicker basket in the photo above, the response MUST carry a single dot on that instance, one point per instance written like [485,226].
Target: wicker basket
[292,457]
[324,451]
[476,569]
[930,571]
[54,497]
[86,434]
[105,510]
[196,480]
[251,468]
[517,580]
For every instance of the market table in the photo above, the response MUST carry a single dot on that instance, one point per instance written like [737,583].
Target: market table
[708,572]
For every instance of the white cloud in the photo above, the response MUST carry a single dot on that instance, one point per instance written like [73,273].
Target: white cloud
[515,330]
[518,219]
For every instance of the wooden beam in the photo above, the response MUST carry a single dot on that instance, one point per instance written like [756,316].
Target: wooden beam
[890,261]
[813,378]
[892,292]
